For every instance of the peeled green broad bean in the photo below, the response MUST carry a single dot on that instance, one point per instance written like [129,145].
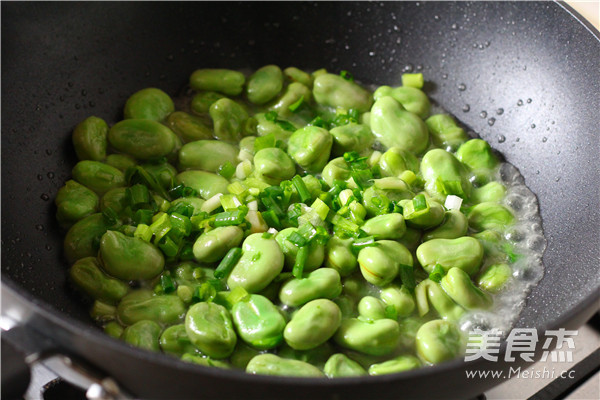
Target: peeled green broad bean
[115,198]
[264,84]
[143,139]
[297,75]
[209,328]
[174,340]
[143,334]
[490,215]
[428,291]
[454,226]
[379,264]
[395,161]
[120,161]
[310,147]
[316,252]
[371,308]
[142,304]
[385,226]
[320,283]
[477,154]
[351,137]
[336,169]
[438,341]
[103,312]
[457,284]
[339,256]
[113,329]
[205,183]
[97,176]
[313,324]
[438,166]
[490,192]
[339,365]
[202,101]
[413,99]
[83,238]
[207,155]
[74,202]
[347,305]
[273,165]
[164,171]
[130,258]
[395,365]
[270,364]
[87,274]
[399,298]
[212,246]
[267,127]
[376,338]
[150,103]
[89,139]
[445,132]
[393,126]
[242,354]
[292,94]
[262,260]
[335,91]
[223,81]
[189,127]
[205,361]
[465,253]
[258,322]
[494,278]
[229,119]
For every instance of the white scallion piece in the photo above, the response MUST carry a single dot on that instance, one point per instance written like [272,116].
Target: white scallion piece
[374,159]
[273,231]
[345,195]
[253,205]
[212,204]
[453,202]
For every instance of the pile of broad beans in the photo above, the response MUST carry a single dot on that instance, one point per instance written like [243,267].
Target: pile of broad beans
[286,223]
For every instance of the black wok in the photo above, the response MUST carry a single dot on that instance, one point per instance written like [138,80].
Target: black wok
[65,61]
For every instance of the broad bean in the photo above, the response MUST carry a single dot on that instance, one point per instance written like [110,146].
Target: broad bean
[229,119]
[83,238]
[258,322]
[313,324]
[444,174]
[412,99]
[143,334]
[310,147]
[316,252]
[264,84]
[379,264]
[129,258]
[335,91]
[141,305]
[395,365]
[494,277]
[211,246]
[320,283]
[273,165]
[209,328]
[89,139]
[98,176]
[224,81]
[339,365]
[205,183]
[351,137]
[202,101]
[262,260]
[465,253]
[207,155]
[393,126]
[143,139]
[270,364]
[438,341]
[445,132]
[454,226]
[87,274]
[376,338]
[395,161]
[189,127]
[74,202]
[490,215]
[174,340]
[400,298]
[150,103]
[340,257]
[386,226]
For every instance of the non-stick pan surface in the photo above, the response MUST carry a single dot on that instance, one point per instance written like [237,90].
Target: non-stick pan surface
[525,76]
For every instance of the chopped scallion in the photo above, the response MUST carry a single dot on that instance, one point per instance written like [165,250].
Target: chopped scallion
[301,257]
[228,262]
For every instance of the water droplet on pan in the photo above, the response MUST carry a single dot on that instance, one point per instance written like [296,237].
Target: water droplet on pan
[501,138]
[462,87]
[491,121]
[466,108]
[500,111]
[483,114]
[520,102]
